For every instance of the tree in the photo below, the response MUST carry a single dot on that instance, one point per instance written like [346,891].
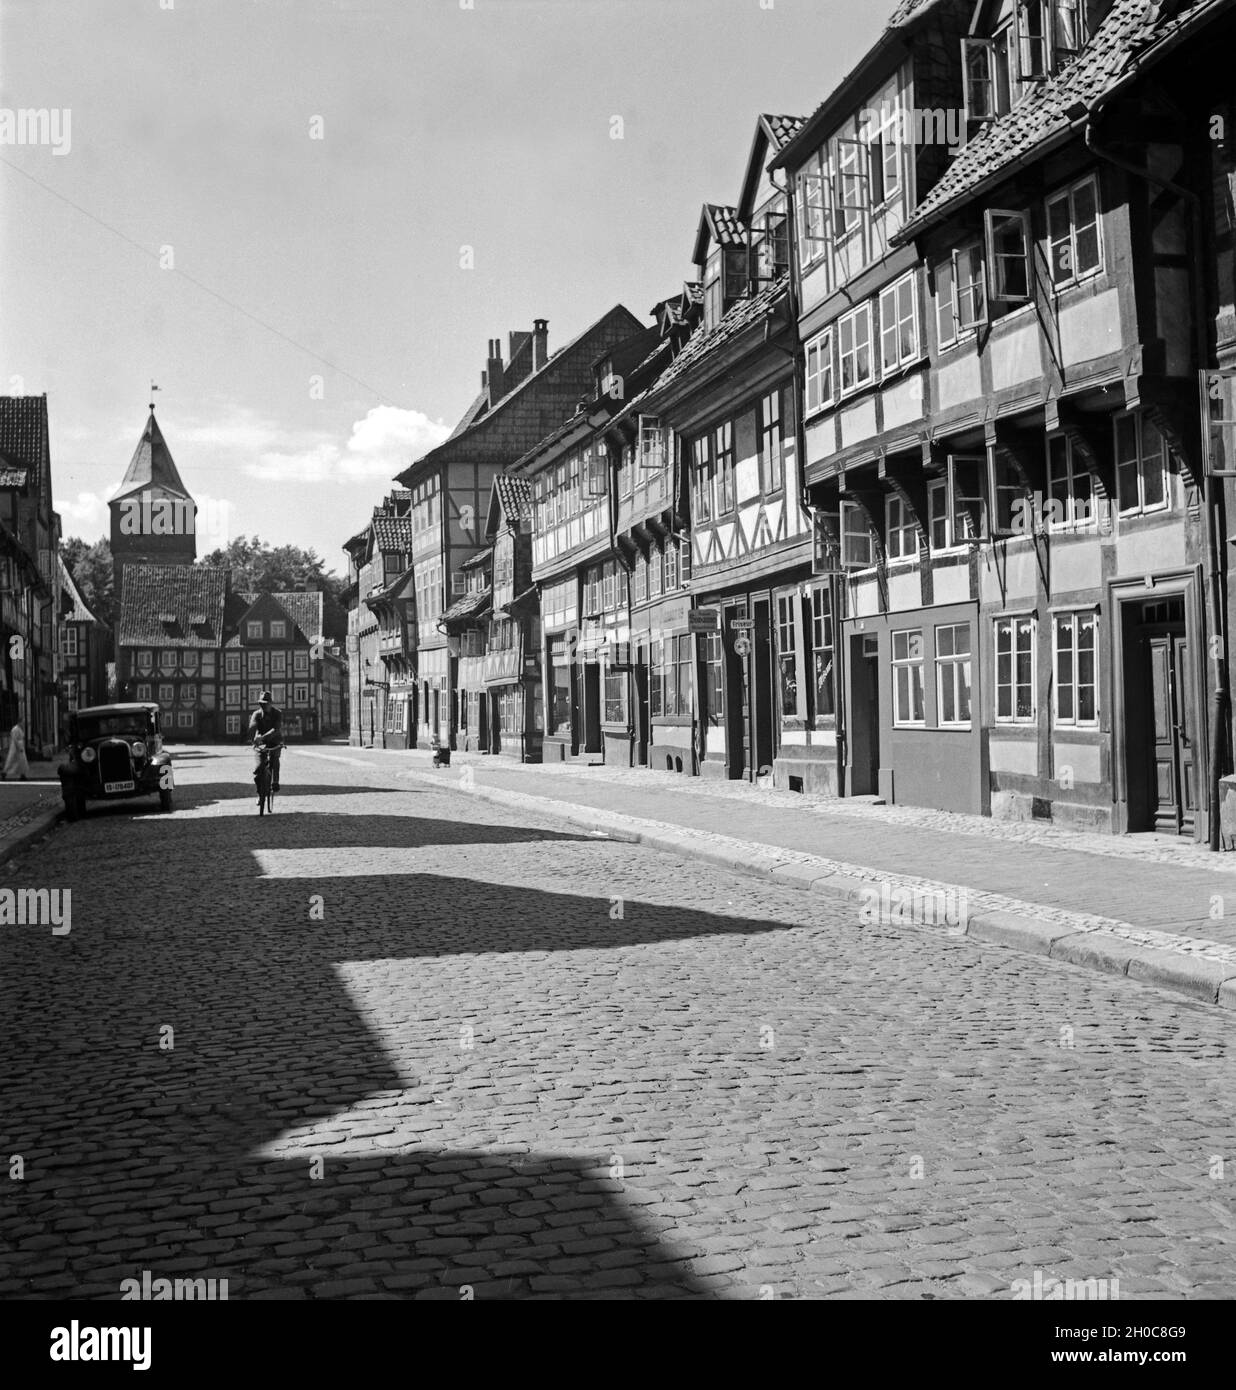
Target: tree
[259,567]
[91,568]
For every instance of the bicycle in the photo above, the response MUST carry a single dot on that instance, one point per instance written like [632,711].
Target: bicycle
[264,776]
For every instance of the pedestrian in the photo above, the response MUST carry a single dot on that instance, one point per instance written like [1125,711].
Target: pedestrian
[15,764]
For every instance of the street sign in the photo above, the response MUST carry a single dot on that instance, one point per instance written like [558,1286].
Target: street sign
[704,620]
[741,624]
[742,646]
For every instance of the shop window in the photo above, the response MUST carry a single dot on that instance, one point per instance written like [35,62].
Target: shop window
[953,675]
[714,678]
[1015,662]
[822,652]
[908,706]
[615,696]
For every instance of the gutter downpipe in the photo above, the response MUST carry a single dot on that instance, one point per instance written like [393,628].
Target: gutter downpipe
[800,444]
[1214,577]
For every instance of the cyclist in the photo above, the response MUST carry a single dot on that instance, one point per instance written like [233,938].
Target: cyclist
[266,727]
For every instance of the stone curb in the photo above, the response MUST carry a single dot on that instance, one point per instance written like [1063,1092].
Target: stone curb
[41,825]
[1205,980]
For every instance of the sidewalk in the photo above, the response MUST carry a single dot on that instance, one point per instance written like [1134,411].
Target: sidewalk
[28,810]
[1149,906]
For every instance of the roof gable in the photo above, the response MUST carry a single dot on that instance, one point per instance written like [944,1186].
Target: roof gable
[152,463]
[24,439]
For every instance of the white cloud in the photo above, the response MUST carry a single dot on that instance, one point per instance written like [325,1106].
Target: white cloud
[86,515]
[382,444]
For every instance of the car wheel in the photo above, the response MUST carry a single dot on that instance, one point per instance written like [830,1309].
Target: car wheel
[165,799]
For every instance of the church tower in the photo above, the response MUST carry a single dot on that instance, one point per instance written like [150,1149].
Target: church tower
[154,520]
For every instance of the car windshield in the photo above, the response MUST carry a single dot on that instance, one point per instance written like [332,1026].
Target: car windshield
[110,725]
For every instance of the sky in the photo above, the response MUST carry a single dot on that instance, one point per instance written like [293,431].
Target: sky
[261,207]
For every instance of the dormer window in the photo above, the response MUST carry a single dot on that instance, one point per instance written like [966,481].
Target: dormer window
[1048,36]
[253,631]
[712,291]
[988,91]
[1042,37]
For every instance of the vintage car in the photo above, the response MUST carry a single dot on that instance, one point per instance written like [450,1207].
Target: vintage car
[115,751]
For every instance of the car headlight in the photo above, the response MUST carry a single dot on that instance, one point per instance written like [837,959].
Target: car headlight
[139,749]
[87,755]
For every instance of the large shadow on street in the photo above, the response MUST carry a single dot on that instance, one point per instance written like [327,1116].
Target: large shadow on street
[149,1058]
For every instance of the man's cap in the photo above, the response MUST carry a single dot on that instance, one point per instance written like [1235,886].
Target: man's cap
[264,698]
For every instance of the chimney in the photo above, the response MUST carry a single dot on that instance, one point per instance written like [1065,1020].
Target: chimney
[494,371]
[540,343]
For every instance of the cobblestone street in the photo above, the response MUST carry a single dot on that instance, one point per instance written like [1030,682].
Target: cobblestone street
[401,1042]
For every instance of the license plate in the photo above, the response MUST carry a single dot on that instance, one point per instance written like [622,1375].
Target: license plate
[118,787]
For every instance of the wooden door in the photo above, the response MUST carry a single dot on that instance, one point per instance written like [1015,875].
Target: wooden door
[1173,769]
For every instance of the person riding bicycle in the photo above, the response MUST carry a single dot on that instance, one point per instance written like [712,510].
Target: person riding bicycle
[266,726]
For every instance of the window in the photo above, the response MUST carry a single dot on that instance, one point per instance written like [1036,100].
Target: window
[787,653]
[822,652]
[255,695]
[856,547]
[723,443]
[820,371]
[967,477]
[960,301]
[772,457]
[1048,36]
[656,680]
[1076,669]
[671,566]
[1015,692]
[714,678]
[702,471]
[143,692]
[884,147]
[188,694]
[615,696]
[1141,464]
[231,695]
[712,291]
[596,469]
[901,530]
[653,444]
[854,339]
[300,662]
[279,694]
[626,472]
[953,675]
[167,662]
[641,579]
[812,210]
[560,685]
[987,72]
[253,631]
[655,573]
[300,694]
[184,719]
[231,663]
[1007,491]
[682,672]
[255,663]
[279,630]
[1074,246]
[145,661]
[68,640]
[1069,485]
[850,186]
[233,723]
[188,660]
[278,663]
[899,323]
[167,694]
[908,677]
[1008,255]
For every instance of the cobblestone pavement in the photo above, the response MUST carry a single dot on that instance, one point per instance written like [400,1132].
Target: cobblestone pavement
[398,1042]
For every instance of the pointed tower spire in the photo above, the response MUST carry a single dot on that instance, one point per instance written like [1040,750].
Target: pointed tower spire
[152,462]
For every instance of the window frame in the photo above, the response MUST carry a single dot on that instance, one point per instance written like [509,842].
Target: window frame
[952,662]
[1074,685]
[853,534]
[997,292]
[1067,196]
[904,284]
[1013,685]
[905,521]
[850,320]
[771,463]
[1141,421]
[911,664]
[822,347]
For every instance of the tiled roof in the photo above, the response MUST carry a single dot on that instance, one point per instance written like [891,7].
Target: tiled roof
[152,462]
[78,612]
[782,129]
[742,315]
[23,433]
[184,591]
[470,606]
[727,230]
[473,561]
[392,532]
[305,610]
[1052,106]
[514,495]
[693,292]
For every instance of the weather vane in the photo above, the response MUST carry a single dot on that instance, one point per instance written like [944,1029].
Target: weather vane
[153,389]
